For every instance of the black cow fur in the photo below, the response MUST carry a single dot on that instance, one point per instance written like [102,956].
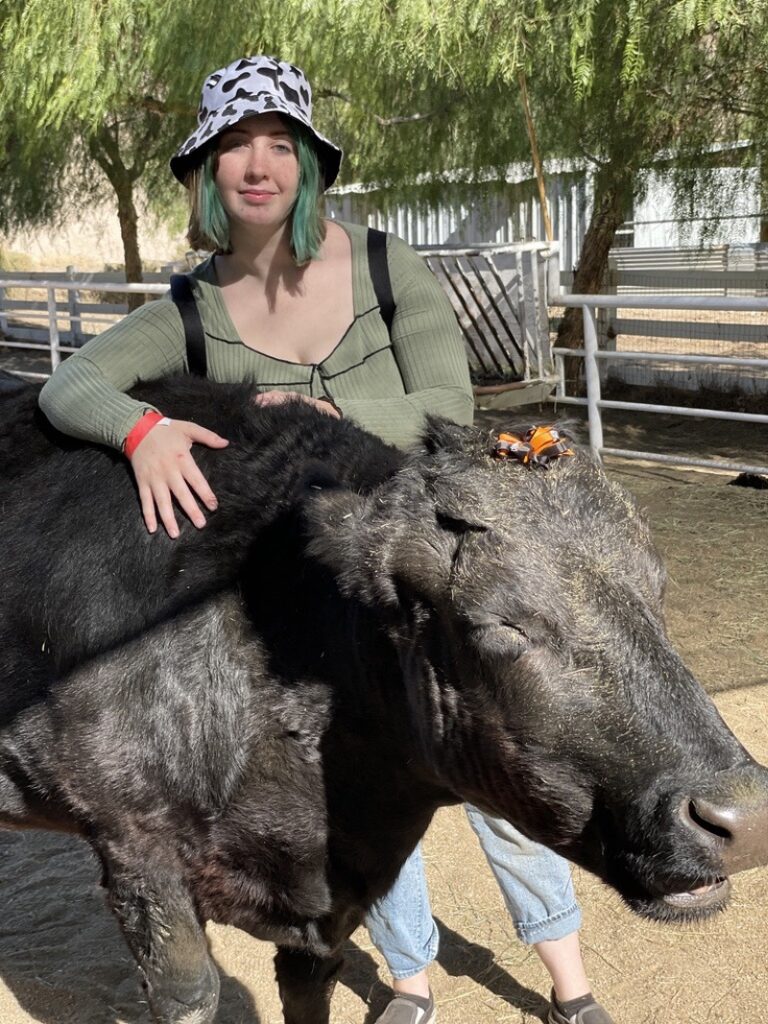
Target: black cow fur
[255,723]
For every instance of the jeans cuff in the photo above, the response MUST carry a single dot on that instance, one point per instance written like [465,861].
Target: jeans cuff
[550,928]
[430,954]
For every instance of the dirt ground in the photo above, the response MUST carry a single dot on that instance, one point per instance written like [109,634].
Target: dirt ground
[63,962]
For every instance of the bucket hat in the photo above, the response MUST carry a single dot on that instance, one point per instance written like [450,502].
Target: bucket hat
[249,86]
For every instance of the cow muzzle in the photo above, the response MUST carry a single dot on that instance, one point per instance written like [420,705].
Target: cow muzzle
[730,819]
[727,823]
[713,830]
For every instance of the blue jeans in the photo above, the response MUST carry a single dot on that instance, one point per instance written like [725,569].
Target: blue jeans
[535,883]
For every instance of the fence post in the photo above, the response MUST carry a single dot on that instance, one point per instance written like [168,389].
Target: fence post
[53,328]
[606,318]
[561,391]
[592,377]
[552,259]
[73,307]
[3,314]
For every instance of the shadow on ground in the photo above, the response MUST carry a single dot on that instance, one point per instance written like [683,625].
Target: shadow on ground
[61,952]
[459,958]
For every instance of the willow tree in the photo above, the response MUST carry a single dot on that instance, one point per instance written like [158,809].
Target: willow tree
[74,129]
[96,95]
[731,123]
[614,86]
[672,84]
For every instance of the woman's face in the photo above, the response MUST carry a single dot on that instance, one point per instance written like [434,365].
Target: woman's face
[258,172]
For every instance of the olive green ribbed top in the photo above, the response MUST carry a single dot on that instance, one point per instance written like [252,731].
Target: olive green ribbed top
[384,384]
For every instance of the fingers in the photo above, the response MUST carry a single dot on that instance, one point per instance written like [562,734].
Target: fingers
[265,398]
[148,508]
[153,503]
[327,407]
[186,501]
[166,472]
[157,498]
[198,483]
[272,398]
[162,498]
[201,435]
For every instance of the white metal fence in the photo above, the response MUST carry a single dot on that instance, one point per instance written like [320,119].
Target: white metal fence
[499,293]
[52,312]
[86,302]
[593,355]
[725,271]
[538,350]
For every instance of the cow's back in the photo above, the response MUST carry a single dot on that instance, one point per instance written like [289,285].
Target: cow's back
[80,572]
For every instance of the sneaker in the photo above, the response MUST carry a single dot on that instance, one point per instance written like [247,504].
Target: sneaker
[592,1013]
[403,1010]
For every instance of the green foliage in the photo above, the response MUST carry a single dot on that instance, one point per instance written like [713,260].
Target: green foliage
[97,94]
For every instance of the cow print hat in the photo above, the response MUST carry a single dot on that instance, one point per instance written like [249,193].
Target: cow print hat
[253,85]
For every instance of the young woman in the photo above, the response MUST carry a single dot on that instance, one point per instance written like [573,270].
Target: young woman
[287,301]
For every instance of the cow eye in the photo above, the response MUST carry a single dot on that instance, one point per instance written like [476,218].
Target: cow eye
[459,524]
[514,634]
[503,639]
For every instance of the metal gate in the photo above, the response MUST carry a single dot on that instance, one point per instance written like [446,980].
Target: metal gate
[500,295]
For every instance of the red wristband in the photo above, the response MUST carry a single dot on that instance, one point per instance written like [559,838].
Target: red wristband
[139,431]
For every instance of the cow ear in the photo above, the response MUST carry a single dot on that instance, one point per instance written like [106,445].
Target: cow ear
[451,477]
[378,544]
[441,435]
[460,507]
[339,527]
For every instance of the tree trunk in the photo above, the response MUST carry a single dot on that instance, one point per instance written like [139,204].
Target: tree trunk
[762,165]
[128,217]
[613,190]
[105,150]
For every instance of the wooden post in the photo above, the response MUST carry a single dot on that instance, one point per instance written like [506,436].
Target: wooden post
[536,158]
[762,165]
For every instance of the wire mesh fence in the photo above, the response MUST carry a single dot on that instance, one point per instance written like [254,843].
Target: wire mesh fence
[727,271]
[594,357]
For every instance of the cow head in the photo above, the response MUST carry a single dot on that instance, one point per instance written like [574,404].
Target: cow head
[527,608]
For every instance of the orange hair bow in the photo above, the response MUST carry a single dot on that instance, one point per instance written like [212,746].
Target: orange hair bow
[537,447]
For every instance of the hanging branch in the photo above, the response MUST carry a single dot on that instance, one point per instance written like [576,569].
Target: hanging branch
[536,158]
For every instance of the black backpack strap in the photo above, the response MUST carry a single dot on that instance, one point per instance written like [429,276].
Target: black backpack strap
[194,336]
[379,271]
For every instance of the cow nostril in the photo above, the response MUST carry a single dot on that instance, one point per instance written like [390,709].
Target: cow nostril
[707,821]
[730,822]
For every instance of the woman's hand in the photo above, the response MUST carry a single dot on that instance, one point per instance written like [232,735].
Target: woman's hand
[164,470]
[280,397]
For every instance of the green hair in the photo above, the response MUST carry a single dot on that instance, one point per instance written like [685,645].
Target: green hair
[307,226]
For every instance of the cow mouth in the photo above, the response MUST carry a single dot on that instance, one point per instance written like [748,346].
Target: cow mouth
[687,906]
[702,899]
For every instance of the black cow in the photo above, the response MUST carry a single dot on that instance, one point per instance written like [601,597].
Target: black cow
[256,722]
